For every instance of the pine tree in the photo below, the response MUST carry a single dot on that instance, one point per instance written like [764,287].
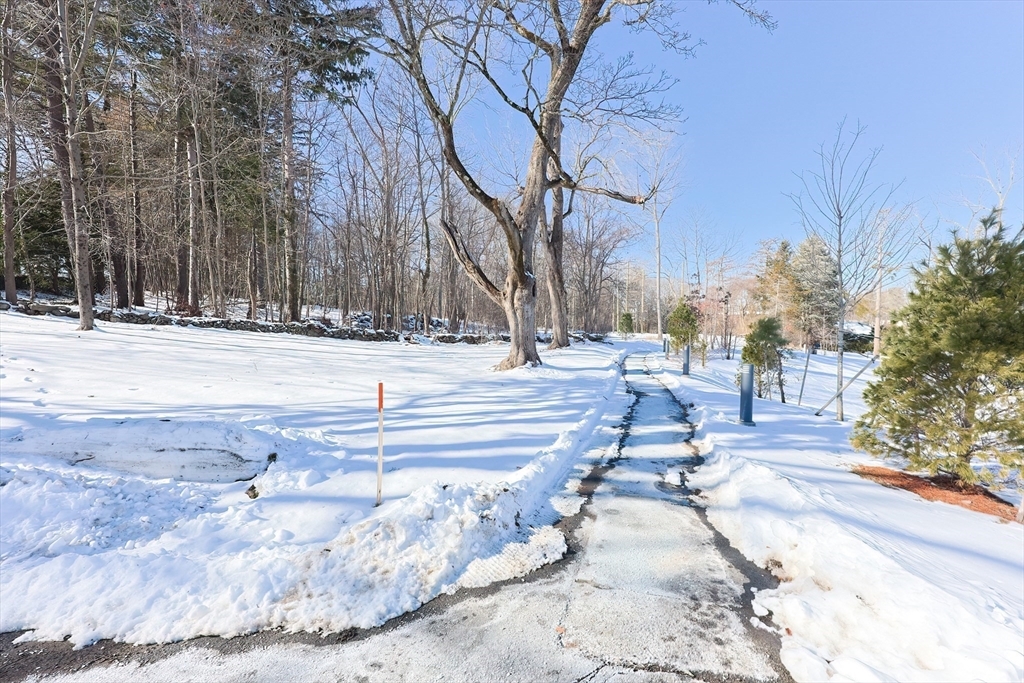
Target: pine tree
[764,347]
[776,287]
[626,324]
[814,271]
[683,325]
[950,387]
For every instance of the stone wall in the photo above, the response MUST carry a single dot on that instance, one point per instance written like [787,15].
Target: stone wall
[306,328]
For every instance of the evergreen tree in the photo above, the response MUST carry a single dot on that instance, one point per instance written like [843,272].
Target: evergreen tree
[683,325]
[626,324]
[816,305]
[764,347]
[776,292]
[950,387]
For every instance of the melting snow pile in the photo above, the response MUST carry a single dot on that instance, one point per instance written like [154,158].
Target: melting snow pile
[200,451]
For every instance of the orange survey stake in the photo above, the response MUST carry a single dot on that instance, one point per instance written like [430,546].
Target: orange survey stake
[380,439]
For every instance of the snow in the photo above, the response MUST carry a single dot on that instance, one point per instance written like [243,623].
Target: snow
[127,453]
[613,613]
[878,584]
[858,327]
[199,451]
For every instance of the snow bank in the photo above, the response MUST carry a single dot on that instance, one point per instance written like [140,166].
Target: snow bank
[138,529]
[197,451]
[877,584]
[853,611]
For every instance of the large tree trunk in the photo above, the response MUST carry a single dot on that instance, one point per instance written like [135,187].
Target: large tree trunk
[520,304]
[553,240]
[139,272]
[62,114]
[11,180]
[289,214]
[118,257]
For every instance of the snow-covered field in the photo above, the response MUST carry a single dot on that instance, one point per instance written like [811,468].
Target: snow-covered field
[878,584]
[122,516]
[127,453]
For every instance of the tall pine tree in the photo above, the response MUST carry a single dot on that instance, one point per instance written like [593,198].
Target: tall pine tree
[816,300]
[950,387]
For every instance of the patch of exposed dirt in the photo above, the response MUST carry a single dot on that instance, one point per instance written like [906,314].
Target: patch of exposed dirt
[945,489]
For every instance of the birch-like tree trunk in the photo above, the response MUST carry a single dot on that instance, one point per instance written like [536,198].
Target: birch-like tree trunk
[137,262]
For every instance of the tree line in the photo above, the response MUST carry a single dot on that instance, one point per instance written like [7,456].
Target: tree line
[284,158]
[288,159]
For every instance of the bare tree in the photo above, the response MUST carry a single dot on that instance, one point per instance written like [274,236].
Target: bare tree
[999,182]
[894,242]
[465,35]
[593,238]
[11,170]
[857,220]
[66,40]
[444,47]
[662,164]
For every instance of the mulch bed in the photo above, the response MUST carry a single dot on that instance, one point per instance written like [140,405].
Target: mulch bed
[941,488]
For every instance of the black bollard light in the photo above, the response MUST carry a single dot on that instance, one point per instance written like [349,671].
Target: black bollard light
[686,360]
[747,394]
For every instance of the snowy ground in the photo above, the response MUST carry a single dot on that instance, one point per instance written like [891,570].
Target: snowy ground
[649,595]
[879,584]
[121,516]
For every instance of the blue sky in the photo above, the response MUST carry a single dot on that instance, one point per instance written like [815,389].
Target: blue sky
[933,82]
